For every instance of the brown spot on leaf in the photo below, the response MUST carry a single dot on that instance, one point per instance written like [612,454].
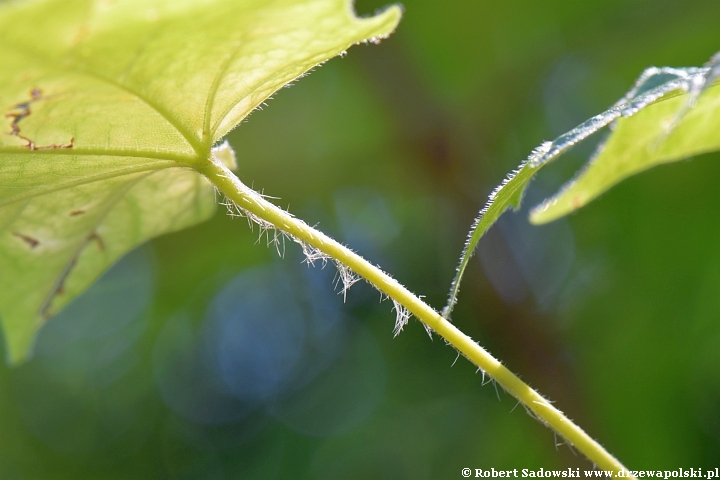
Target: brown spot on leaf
[59,288]
[98,239]
[76,213]
[31,145]
[32,242]
[22,110]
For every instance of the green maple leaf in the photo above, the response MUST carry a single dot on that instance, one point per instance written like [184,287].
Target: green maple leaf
[666,131]
[670,114]
[110,106]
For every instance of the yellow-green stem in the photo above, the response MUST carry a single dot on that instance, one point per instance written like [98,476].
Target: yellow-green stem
[252,202]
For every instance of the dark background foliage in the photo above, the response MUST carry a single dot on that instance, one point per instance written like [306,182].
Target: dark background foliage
[203,355]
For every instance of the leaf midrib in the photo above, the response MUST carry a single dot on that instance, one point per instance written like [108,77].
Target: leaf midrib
[208,129]
[37,192]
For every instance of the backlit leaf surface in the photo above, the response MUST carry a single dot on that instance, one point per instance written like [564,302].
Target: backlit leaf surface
[669,114]
[639,143]
[108,105]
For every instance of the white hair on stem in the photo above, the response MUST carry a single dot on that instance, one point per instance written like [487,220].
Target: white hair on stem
[402,317]
[313,254]
[345,275]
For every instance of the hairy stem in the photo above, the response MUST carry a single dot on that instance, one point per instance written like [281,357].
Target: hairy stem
[249,200]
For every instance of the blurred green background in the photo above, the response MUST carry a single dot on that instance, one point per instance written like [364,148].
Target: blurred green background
[203,355]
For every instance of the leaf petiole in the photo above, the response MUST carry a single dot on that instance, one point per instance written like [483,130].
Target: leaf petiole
[254,204]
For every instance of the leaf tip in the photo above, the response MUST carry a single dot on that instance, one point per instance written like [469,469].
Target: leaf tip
[560,205]
[539,215]
[382,24]
[18,346]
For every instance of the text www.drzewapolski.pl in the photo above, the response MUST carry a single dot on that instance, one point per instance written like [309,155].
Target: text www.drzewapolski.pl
[577,473]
